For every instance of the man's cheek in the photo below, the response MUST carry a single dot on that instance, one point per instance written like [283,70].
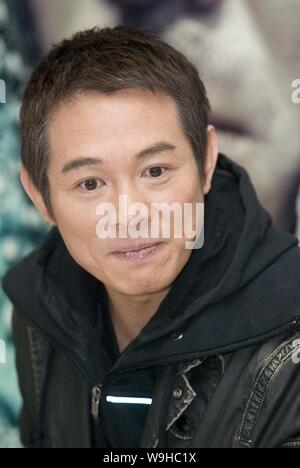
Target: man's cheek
[76,222]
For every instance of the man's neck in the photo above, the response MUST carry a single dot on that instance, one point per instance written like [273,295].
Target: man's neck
[131,314]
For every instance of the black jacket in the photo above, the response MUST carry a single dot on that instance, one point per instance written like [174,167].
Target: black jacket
[224,344]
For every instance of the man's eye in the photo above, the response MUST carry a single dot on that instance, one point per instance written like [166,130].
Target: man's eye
[90,184]
[156,172]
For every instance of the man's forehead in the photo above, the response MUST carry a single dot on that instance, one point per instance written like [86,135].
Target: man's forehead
[128,109]
[77,133]
[127,96]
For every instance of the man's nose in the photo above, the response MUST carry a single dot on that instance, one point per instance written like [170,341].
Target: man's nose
[129,201]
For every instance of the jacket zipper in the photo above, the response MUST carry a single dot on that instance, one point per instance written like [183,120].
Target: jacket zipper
[96,400]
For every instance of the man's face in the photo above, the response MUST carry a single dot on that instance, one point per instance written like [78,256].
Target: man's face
[116,130]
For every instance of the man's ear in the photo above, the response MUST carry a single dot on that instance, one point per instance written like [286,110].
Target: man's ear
[211,157]
[35,196]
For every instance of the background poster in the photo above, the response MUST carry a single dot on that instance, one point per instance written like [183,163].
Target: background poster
[247,52]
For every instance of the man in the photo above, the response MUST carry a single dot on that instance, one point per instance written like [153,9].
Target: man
[123,342]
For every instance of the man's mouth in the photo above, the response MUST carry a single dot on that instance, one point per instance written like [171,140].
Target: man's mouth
[135,247]
[137,252]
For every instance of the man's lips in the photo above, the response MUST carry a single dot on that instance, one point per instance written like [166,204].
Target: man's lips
[134,247]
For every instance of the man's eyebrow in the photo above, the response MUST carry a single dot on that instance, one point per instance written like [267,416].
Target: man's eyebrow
[157,148]
[93,160]
[81,162]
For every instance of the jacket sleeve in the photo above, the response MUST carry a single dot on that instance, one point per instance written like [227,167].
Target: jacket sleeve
[294,443]
[32,352]
[272,414]
[283,398]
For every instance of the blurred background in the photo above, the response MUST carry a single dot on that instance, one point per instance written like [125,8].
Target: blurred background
[247,53]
